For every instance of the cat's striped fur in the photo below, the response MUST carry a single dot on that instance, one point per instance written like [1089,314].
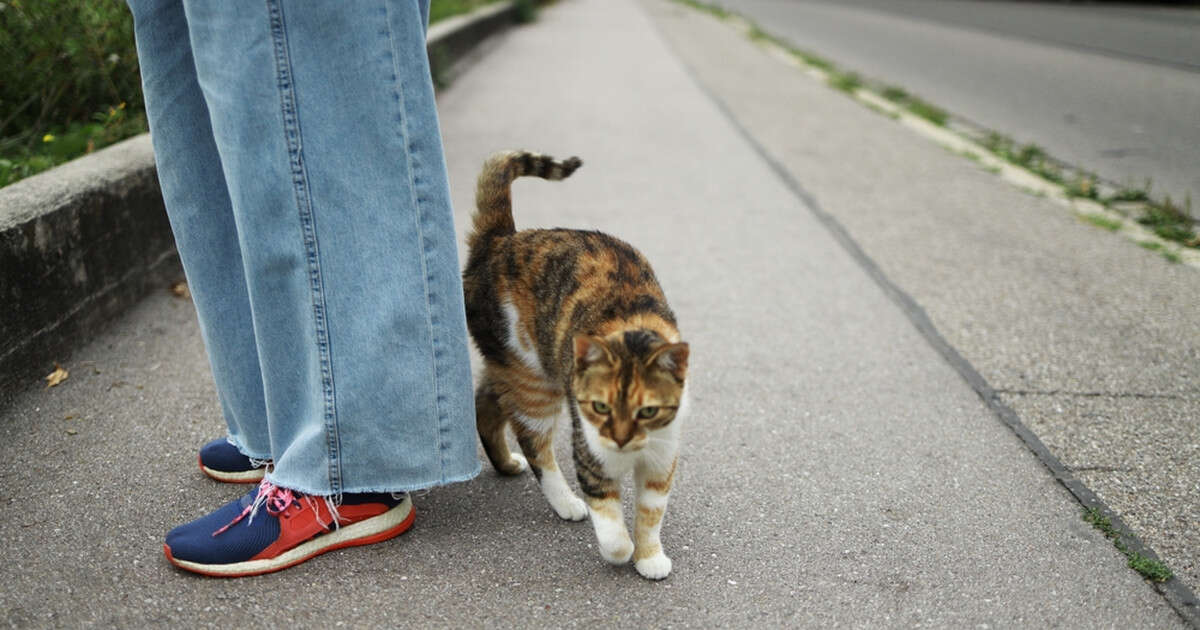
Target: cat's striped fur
[574,323]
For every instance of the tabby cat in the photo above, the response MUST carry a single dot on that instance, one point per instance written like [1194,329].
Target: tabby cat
[574,322]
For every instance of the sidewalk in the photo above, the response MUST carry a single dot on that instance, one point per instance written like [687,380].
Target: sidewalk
[836,470]
[1091,341]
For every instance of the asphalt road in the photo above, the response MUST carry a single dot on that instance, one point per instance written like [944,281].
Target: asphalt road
[1112,89]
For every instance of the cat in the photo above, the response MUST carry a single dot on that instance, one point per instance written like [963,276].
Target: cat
[574,322]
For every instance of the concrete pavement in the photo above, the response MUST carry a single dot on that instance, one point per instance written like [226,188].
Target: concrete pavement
[1094,342]
[837,470]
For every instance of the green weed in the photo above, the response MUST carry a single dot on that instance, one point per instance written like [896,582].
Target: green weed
[1082,186]
[1152,570]
[708,8]
[1129,193]
[845,81]
[1099,220]
[928,111]
[1170,221]
[815,61]
[894,94]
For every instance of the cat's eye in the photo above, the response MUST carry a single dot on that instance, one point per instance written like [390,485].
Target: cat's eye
[601,407]
[646,413]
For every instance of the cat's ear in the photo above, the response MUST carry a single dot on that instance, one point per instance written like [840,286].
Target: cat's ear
[672,357]
[590,350]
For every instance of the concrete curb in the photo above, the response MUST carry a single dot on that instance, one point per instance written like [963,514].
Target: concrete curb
[82,242]
[78,245]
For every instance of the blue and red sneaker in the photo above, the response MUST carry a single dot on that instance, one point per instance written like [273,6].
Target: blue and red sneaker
[241,538]
[224,462]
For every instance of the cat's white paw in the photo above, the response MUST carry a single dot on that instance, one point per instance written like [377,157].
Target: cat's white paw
[570,507]
[654,567]
[518,463]
[616,550]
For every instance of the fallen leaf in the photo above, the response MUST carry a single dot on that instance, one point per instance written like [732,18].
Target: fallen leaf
[59,375]
[180,290]
[71,431]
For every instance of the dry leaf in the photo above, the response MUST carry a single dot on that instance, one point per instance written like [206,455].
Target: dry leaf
[180,290]
[72,432]
[59,375]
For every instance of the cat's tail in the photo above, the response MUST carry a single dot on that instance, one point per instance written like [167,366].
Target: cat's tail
[493,193]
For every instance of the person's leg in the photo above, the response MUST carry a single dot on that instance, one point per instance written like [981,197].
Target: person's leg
[198,205]
[324,123]
[324,118]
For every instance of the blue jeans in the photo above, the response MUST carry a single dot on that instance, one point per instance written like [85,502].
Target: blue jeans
[301,164]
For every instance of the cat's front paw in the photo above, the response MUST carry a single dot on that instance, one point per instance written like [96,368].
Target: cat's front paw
[654,567]
[570,507]
[617,550]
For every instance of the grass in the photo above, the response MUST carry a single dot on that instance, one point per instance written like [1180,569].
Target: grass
[1029,156]
[759,35]
[1099,220]
[1171,222]
[71,83]
[1130,194]
[813,60]
[64,144]
[1150,569]
[1082,186]
[845,81]
[708,8]
[924,109]
[442,9]
[894,94]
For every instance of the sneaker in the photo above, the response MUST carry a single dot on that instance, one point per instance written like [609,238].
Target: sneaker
[272,528]
[224,462]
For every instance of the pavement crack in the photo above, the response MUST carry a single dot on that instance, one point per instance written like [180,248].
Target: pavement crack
[1063,392]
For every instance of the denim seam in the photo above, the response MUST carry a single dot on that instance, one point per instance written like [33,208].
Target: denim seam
[291,124]
[419,214]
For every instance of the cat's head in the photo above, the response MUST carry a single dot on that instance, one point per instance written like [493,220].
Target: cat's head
[628,385]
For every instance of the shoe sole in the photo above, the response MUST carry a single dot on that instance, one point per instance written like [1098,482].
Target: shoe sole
[388,525]
[224,476]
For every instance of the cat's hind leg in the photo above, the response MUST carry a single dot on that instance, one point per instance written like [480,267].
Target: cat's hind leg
[490,420]
[535,435]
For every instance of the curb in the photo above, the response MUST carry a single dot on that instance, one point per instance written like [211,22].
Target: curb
[81,243]
[78,245]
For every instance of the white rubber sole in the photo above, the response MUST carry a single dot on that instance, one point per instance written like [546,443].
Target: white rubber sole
[249,476]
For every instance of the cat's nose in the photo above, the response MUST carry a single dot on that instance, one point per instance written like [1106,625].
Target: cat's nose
[621,437]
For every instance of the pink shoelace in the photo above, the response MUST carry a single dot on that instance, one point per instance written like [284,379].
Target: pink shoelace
[275,498]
